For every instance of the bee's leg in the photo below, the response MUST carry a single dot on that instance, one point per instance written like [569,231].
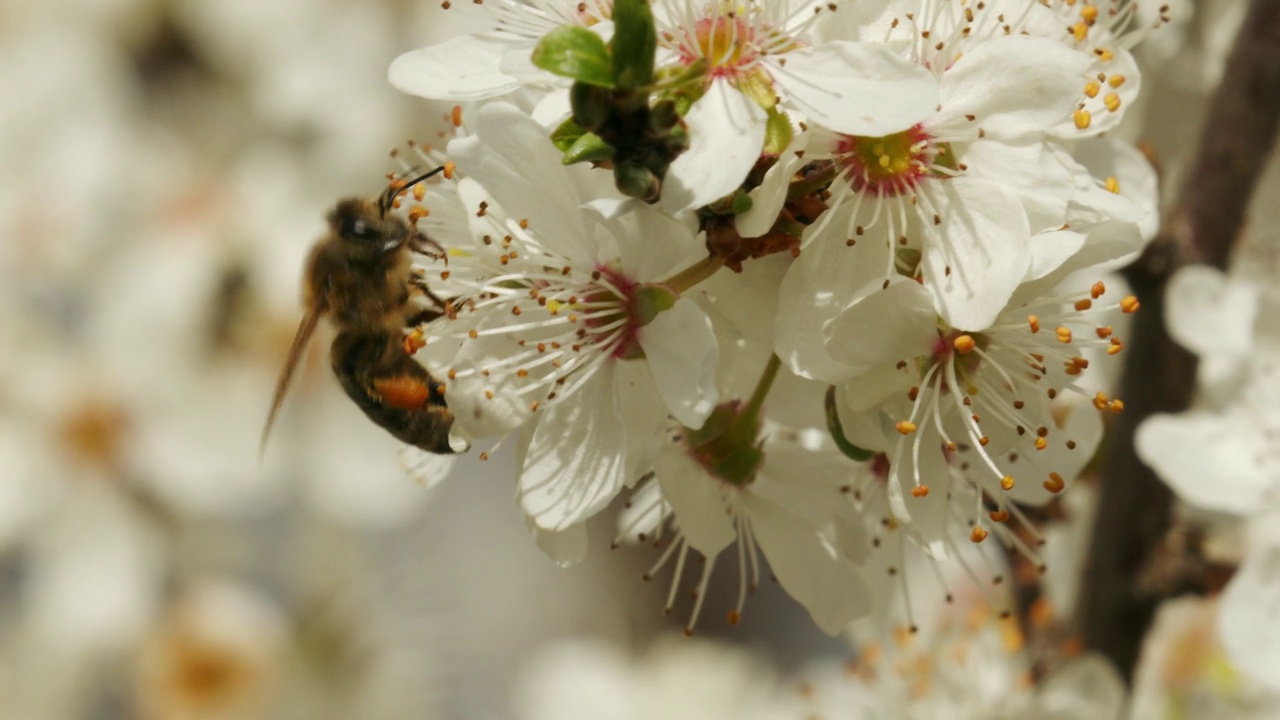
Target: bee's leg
[392,389]
[424,245]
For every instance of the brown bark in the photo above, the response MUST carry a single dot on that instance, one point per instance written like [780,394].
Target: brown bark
[1134,508]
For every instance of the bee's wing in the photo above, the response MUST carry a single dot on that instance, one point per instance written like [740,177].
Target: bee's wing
[299,348]
[426,468]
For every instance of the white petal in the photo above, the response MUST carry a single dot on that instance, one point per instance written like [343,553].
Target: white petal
[681,350]
[463,68]
[652,245]
[512,157]
[808,566]
[855,88]
[1086,688]
[1247,619]
[1031,171]
[1014,86]
[575,460]
[893,324]
[1207,459]
[979,255]
[696,499]
[767,199]
[726,134]
[1210,313]
[1104,157]
[565,547]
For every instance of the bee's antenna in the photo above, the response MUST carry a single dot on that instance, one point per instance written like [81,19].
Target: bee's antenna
[394,189]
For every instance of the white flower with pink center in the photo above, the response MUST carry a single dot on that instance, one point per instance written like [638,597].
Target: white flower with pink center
[559,324]
[755,63]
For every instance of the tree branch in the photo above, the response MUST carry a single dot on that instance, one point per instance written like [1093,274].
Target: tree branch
[1134,506]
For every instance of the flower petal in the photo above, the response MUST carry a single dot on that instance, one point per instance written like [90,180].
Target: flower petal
[808,566]
[1207,459]
[855,88]
[889,325]
[1246,618]
[680,347]
[1014,86]
[696,500]
[463,68]
[726,134]
[511,157]
[574,463]
[979,255]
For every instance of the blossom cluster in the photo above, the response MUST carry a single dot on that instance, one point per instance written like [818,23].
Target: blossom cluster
[813,282]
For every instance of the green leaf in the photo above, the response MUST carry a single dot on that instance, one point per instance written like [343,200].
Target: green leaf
[566,135]
[837,430]
[634,44]
[590,147]
[575,52]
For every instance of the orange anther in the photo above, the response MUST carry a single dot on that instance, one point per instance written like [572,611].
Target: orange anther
[1130,304]
[964,344]
[978,534]
[920,491]
[906,427]
[999,515]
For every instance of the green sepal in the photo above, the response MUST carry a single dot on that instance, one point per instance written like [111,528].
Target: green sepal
[575,52]
[566,135]
[777,131]
[634,44]
[651,299]
[637,181]
[837,430]
[740,467]
[588,148]
[740,203]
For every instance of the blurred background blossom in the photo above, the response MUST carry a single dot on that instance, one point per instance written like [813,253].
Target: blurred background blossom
[167,164]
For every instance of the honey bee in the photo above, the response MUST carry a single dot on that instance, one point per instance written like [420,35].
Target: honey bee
[359,275]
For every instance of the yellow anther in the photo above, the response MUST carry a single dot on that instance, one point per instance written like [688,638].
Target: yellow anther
[964,344]
[1089,13]
[1103,54]
[1116,406]
[906,427]
[1092,88]
[1112,101]
[978,534]
[1055,483]
[1100,401]
[1041,443]
[1006,482]
[1113,185]
[1063,333]
[1034,322]
[449,166]
[1116,80]
[1082,118]
[1080,31]
[1130,304]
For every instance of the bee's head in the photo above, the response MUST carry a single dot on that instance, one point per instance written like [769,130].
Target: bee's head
[364,231]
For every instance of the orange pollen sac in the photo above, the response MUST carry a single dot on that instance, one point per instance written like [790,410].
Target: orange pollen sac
[1041,443]
[417,212]
[449,168]
[1115,347]
[1006,482]
[1130,304]
[419,192]
[978,535]
[1089,13]
[734,617]
[1116,406]
[999,515]
[1097,290]
[414,341]
[1100,401]
[1082,305]
[920,491]
[906,427]
[964,344]
[1055,483]
[1034,322]
[1063,333]
[455,116]
[1105,331]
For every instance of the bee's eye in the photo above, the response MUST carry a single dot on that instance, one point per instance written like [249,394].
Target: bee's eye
[358,228]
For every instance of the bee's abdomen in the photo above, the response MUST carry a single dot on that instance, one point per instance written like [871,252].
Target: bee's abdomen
[393,390]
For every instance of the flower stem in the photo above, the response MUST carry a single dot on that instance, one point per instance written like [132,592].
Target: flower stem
[694,274]
[756,401]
